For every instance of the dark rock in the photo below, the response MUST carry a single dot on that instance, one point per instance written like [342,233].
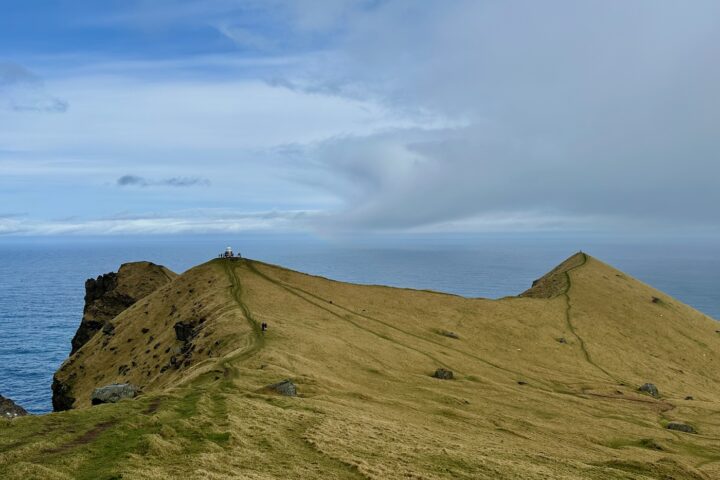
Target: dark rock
[446,333]
[521,382]
[286,387]
[656,300]
[650,389]
[443,374]
[145,330]
[10,409]
[100,306]
[184,331]
[689,397]
[62,398]
[561,340]
[113,393]
[680,427]
[108,329]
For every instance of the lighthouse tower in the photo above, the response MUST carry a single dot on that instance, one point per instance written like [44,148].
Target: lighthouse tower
[228,252]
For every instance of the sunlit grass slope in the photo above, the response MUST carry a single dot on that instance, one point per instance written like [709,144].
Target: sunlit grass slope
[545,384]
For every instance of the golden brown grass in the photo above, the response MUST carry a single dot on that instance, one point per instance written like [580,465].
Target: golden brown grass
[362,357]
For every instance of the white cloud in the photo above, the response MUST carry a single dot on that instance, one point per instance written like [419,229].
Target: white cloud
[113,115]
[205,221]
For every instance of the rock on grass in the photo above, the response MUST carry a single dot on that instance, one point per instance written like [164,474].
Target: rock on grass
[443,374]
[113,393]
[650,389]
[680,427]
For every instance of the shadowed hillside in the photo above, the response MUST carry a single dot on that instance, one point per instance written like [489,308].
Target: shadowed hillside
[545,385]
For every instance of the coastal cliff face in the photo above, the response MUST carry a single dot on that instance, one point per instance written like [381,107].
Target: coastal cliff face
[110,294]
[106,297]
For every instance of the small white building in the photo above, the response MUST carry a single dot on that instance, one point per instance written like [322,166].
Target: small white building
[228,252]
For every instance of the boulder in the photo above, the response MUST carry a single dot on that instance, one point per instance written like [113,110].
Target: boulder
[10,409]
[184,331]
[113,393]
[443,374]
[650,389]
[680,427]
[286,387]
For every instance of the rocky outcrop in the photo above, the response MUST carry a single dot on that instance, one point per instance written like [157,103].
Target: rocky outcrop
[443,374]
[113,393]
[680,427]
[184,331]
[10,409]
[286,388]
[555,282]
[110,294]
[62,397]
[650,389]
[106,297]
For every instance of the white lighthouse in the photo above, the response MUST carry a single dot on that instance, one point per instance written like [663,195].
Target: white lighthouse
[228,252]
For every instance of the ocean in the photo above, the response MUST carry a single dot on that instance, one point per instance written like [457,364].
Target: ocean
[42,279]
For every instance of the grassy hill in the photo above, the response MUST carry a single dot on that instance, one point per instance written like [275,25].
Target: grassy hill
[545,384]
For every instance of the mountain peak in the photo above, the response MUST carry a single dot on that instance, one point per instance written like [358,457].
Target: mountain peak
[556,281]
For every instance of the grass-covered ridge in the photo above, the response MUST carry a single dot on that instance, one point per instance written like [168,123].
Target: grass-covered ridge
[545,386]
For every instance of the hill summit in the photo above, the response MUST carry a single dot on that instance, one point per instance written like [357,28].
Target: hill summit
[590,374]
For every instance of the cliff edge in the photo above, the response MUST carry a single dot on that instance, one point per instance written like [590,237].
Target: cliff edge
[106,297]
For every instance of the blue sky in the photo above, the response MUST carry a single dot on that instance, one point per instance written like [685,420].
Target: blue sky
[329,117]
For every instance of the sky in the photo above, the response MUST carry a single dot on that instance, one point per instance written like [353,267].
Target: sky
[338,117]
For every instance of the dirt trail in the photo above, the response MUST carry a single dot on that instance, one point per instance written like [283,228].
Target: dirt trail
[85,438]
[256,341]
[571,327]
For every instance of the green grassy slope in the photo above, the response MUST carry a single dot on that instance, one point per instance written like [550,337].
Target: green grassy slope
[545,385]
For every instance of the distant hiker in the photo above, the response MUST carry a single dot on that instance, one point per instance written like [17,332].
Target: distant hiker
[263,325]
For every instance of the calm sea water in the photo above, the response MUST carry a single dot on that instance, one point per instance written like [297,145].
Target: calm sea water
[42,279]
